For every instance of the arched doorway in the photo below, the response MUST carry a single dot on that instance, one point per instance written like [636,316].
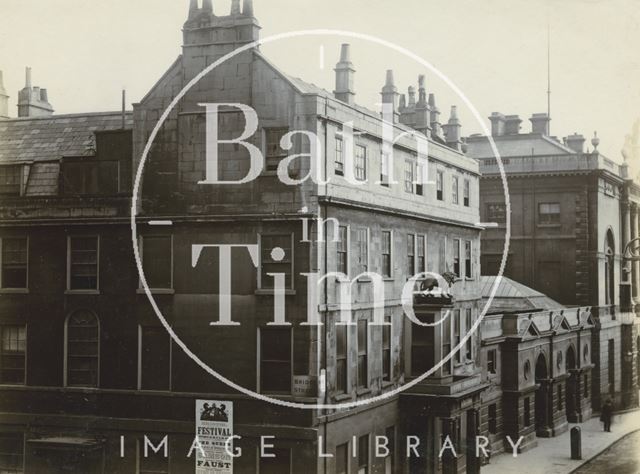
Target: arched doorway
[541,396]
[572,385]
[609,268]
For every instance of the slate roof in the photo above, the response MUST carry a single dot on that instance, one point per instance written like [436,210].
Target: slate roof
[513,296]
[516,145]
[42,139]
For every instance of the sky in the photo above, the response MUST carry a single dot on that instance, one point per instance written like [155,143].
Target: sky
[495,51]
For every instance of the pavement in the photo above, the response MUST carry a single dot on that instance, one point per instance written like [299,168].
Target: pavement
[553,455]
[621,458]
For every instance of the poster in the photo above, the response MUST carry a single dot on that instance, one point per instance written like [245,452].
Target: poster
[214,428]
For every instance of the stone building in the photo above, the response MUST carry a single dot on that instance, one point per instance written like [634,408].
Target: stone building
[536,357]
[87,371]
[573,211]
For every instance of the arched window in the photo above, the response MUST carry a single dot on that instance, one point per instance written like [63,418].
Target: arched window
[82,349]
[609,268]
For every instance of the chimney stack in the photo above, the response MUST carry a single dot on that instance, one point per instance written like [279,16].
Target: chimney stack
[4,100]
[512,125]
[497,124]
[235,7]
[434,112]
[422,109]
[540,123]
[390,95]
[345,73]
[33,101]
[576,142]
[452,130]
[207,6]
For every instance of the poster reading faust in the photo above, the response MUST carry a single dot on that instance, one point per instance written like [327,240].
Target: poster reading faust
[214,427]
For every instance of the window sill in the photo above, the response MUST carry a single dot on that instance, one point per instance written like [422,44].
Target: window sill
[363,391]
[550,226]
[82,292]
[388,278]
[14,291]
[387,384]
[341,397]
[270,292]
[157,291]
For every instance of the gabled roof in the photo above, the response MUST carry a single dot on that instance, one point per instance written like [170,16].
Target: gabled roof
[41,139]
[513,296]
[529,330]
[560,323]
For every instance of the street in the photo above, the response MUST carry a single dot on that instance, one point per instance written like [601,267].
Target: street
[622,458]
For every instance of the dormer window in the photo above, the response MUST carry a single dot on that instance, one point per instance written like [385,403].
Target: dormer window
[90,177]
[10,180]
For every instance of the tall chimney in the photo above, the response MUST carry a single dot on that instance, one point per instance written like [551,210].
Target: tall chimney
[403,102]
[422,108]
[436,129]
[497,124]
[345,73]
[247,8]
[422,91]
[193,8]
[235,7]
[4,100]
[27,81]
[207,6]
[452,130]
[390,95]
[412,96]
[540,123]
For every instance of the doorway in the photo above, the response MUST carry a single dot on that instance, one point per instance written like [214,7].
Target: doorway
[572,386]
[541,396]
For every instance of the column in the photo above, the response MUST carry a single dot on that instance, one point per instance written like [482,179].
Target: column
[633,233]
[450,429]
[636,265]
[626,223]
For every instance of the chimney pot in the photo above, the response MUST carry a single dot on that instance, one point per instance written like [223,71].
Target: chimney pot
[193,8]
[28,78]
[390,80]
[436,126]
[452,130]
[422,91]
[412,96]
[345,73]
[345,53]
[390,95]
[247,8]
